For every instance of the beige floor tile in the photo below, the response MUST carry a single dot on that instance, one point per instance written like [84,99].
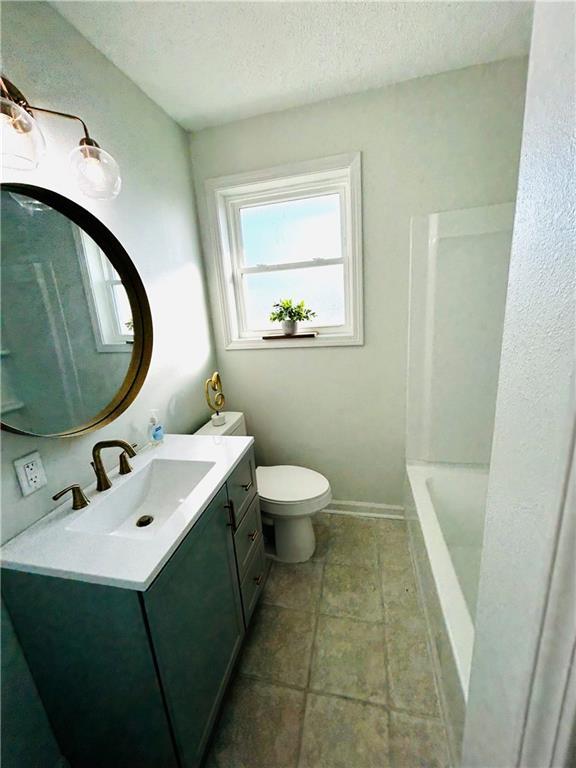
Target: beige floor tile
[349,659]
[353,541]
[259,728]
[392,536]
[389,527]
[398,576]
[399,587]
[410,675]
[352,591]
[397,572]
[416,743]
[322,518]
[357,644]
[323,533]
[354,518]
[341,733]
[294,586]
[279,646]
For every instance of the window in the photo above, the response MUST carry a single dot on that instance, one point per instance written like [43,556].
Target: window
[290,232]
[107,298]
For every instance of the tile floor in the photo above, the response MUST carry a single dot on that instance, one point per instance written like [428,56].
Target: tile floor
[336,672]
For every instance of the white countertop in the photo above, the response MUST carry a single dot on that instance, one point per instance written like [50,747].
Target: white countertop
[48,547]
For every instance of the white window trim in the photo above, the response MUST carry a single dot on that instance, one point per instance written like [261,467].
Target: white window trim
[340,174]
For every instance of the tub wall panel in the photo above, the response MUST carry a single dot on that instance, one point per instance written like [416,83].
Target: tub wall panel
[451,696]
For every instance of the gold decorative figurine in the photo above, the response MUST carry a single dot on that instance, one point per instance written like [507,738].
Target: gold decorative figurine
[214,384]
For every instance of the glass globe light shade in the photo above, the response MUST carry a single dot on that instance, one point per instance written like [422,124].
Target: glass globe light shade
[97,173]
[22,142]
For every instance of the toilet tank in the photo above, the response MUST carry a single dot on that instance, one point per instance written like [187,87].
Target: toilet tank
[235,424]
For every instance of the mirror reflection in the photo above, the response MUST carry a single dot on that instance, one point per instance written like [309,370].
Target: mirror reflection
[67,329]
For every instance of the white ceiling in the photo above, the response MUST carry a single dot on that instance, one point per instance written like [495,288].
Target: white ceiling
[208,63]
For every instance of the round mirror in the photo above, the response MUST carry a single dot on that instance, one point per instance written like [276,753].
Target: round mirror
[76,326]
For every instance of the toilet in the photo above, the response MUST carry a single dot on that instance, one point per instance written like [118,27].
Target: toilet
[289,497]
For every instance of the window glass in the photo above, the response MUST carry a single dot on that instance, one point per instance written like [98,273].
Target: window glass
[291,231]
[123,310]
[106,295]
[321,288]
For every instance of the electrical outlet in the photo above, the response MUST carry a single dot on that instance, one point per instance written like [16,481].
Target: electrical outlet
[30,473]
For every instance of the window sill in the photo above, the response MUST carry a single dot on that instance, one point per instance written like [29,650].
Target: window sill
[124,346]
[298,340]
[290,337]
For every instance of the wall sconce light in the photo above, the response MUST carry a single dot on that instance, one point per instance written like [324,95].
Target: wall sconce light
[23,145]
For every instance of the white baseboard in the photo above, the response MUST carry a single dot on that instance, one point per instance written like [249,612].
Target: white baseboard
[367,509]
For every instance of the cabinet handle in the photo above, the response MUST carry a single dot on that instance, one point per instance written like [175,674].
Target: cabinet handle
[258,580]
[252,536]
[248,486]
[230,508]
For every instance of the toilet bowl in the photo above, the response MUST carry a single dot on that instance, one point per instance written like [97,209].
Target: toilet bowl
[289,497]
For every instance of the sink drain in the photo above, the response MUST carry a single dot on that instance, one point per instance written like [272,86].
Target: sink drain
[143,521]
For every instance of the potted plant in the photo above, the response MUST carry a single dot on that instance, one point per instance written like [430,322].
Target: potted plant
[288,313]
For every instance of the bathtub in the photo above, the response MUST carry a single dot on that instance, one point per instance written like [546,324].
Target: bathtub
[447,525]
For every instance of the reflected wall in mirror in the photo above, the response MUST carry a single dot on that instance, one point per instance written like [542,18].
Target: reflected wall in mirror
[76,326]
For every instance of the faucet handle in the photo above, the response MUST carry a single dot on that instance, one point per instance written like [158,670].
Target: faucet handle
[79,498]
[125,466]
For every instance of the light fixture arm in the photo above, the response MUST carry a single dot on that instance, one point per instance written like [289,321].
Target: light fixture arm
[14,94]
[97,172]
[61,114]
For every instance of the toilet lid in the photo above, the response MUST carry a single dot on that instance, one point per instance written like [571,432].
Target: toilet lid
[287,484]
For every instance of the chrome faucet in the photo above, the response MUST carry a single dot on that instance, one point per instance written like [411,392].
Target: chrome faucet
[103,481]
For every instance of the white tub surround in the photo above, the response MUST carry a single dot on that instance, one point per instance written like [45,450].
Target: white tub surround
[450,504]
[458,268]
[445,506]
[101,543]
[458,495]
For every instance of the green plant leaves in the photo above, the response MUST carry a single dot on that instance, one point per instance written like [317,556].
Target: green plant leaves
[285,309]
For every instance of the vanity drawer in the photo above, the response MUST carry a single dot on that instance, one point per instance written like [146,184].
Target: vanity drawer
[248,536]
[253,581]
[242,487]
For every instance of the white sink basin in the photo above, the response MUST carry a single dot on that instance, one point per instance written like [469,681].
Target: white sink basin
[144,501]
[173,483]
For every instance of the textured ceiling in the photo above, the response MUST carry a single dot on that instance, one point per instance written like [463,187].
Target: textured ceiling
[208,63]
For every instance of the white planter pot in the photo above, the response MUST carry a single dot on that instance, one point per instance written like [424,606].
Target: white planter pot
[289,327]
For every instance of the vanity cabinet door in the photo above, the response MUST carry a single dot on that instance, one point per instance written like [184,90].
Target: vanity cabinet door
[89,652]
[195,618]
[242,487]
[248,537]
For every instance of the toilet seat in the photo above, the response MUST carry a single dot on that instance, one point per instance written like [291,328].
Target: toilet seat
[289,491]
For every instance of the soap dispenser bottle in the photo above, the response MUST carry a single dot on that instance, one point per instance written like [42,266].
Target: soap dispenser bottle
[155,429]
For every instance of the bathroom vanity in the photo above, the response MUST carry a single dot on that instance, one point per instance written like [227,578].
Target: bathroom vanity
[130,631]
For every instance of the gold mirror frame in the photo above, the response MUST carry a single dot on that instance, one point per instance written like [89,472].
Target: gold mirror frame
[141,315]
